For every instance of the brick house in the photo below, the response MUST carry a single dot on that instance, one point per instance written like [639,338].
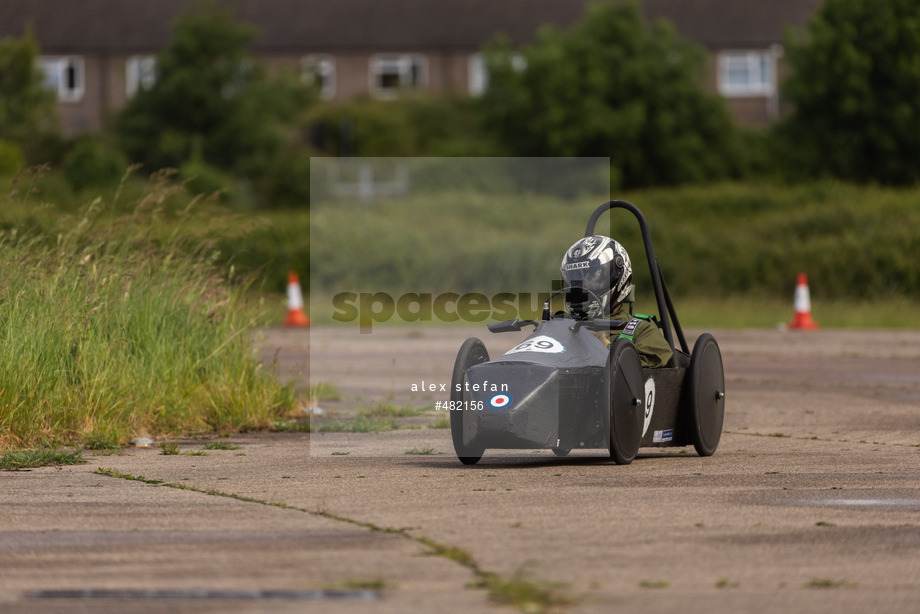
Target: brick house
[96,53]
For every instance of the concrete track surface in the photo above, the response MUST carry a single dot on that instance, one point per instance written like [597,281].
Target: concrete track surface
[811,503]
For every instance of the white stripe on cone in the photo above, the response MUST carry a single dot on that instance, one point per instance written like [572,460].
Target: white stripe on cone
[802,303]
[295,296]
[295,315]
[802,298]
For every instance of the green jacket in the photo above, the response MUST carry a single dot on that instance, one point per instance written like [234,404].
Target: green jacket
[653,348]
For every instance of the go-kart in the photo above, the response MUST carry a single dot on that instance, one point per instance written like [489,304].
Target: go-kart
[562,388]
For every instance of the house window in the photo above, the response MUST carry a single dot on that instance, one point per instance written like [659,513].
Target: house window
[478,75]
[140,73]
[390,73]
[747,73]
[65,76]
[478,72]
[319,70]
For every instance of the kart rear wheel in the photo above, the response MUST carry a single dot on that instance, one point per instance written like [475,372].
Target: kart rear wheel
[706,394]
[472,352]
[625,393]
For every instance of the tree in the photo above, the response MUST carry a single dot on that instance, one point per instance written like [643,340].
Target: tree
[855,91]
[615,86]
[27,107]
[211,99]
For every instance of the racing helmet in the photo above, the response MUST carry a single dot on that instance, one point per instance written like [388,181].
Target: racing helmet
[598,265]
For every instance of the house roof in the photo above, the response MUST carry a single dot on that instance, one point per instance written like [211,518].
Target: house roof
[721,24]
[143,26]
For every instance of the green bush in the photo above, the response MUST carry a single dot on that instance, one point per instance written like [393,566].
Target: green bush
[713,241]
[47,186]
[11,158]
[853,88]
[414,125]
[211,96]
[361,128]
[270,248]
[28,109]
[612,85]
[201,178]
[93,163]
[286,182]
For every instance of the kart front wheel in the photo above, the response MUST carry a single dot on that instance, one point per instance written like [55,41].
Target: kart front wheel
[626,394]
[472,352]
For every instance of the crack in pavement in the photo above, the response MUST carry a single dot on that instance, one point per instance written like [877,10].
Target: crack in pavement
[519,591]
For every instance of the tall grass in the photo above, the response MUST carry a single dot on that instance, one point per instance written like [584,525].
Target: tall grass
[116,325]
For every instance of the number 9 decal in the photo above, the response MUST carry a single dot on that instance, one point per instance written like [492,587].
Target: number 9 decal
[649,403]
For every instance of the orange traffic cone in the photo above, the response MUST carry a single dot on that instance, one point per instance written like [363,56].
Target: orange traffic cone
[802,320]
[295,313]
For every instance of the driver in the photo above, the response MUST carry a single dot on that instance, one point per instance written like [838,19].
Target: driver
[600,266]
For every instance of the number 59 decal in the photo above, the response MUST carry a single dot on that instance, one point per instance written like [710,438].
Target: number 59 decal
[540,343]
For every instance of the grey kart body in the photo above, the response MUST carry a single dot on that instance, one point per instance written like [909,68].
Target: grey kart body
[563,389]
[547,396]
[552,392]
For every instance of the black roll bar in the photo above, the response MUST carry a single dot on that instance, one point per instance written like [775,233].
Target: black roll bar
[665,306]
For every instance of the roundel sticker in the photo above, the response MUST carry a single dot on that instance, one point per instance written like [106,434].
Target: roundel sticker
[498,401]
[649,403]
